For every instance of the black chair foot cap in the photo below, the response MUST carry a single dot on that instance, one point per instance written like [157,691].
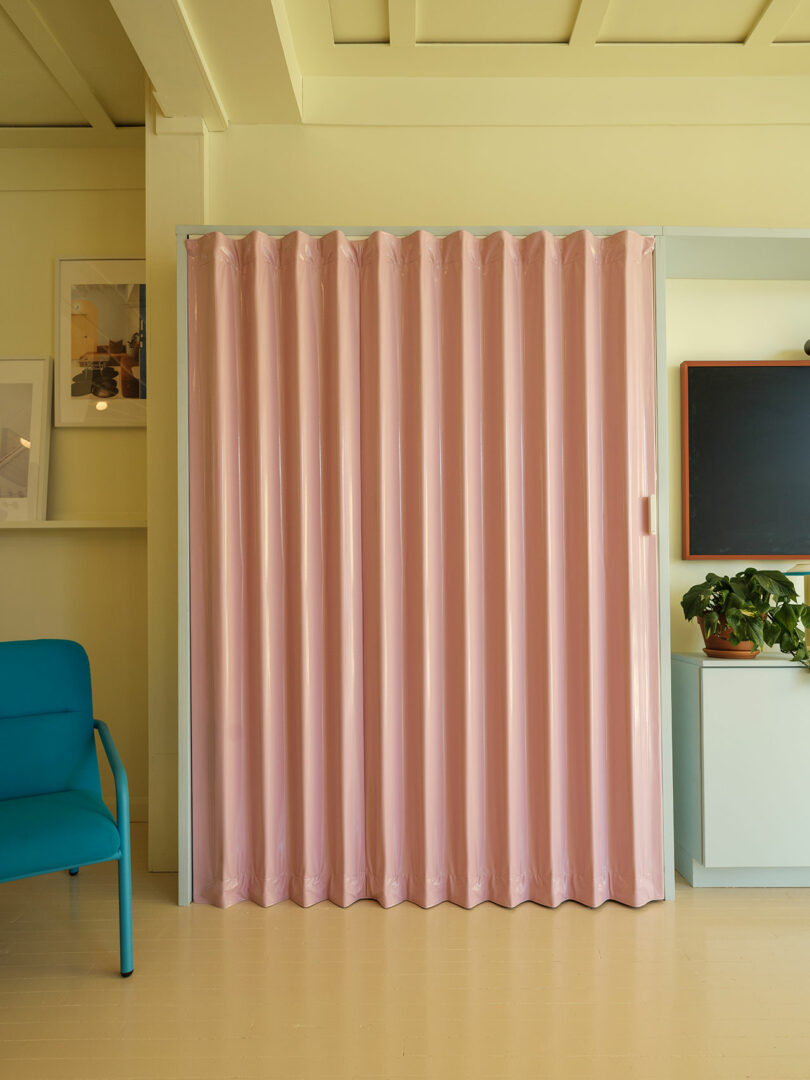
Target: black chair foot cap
[73,873]
[126,974]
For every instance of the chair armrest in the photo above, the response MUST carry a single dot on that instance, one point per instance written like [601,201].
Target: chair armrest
[119,777]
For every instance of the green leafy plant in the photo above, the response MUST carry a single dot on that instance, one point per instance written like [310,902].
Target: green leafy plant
[760,606]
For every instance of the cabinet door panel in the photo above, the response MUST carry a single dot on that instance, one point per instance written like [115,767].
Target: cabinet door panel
[756,767]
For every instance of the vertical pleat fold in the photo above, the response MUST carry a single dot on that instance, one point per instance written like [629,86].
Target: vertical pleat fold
[424,601]
[340,426]
[263,669]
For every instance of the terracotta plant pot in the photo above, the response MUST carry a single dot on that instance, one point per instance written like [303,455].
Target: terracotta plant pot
[719,646]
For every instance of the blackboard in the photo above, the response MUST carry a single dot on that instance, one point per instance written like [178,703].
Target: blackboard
[745,460]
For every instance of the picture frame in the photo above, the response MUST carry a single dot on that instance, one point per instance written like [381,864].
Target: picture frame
[25,437]
[100,373]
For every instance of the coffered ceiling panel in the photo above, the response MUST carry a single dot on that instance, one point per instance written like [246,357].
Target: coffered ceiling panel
[69,75]
[361,21]
[506,21]
[797,28]
[95,41]
[680,20]
[29,95]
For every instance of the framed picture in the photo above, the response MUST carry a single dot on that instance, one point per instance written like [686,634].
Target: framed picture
[25,438]
[101,343]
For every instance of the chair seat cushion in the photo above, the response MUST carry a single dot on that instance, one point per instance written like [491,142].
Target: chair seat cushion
[42,833]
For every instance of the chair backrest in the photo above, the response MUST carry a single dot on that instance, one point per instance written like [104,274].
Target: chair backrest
[46,719]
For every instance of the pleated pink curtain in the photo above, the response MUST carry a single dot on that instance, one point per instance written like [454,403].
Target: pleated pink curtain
[423,589]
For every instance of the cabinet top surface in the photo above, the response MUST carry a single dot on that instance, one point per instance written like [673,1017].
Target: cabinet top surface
[765,660]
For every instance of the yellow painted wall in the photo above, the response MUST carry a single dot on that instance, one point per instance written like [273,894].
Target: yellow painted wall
[718,176]
[345,176]
[86,585]
[722,320]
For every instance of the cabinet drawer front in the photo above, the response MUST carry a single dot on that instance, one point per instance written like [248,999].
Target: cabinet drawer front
[756,767]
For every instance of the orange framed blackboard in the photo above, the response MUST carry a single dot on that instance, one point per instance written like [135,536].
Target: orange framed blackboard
[745,459]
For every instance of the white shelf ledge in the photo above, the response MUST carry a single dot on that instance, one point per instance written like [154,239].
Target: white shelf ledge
[764,660]
[51,524]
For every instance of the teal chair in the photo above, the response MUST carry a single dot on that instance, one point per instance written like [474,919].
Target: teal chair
[52,816]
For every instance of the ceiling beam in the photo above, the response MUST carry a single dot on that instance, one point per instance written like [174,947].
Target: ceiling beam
[557,102]
[604,60]
[164,39]
[29,21]
[588,23]
[770,22]
[402,23]
[320,29]
[287,45]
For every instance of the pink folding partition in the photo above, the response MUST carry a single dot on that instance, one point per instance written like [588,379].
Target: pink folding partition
[423,590]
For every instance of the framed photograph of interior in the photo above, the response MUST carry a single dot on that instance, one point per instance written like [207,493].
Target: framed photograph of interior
[100,378]
[25,437]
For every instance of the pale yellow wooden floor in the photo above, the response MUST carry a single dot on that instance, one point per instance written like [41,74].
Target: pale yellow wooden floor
[716,985]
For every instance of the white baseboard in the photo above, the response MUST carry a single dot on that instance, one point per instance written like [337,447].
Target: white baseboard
[751,877]
[740,877]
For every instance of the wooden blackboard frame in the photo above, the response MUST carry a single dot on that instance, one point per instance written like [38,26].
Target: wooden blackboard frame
[686,552]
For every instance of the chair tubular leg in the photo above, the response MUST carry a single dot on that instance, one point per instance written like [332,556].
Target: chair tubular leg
[125,911]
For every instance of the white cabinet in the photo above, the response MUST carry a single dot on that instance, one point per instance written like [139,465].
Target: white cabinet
[741,760]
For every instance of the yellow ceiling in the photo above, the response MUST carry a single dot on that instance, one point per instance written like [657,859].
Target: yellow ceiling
[527,62]
[359,21]
[459,21]
[66,65]
[691,21]
[96,43]
[520,21]
[559,38]
[797,27]
[29,95]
